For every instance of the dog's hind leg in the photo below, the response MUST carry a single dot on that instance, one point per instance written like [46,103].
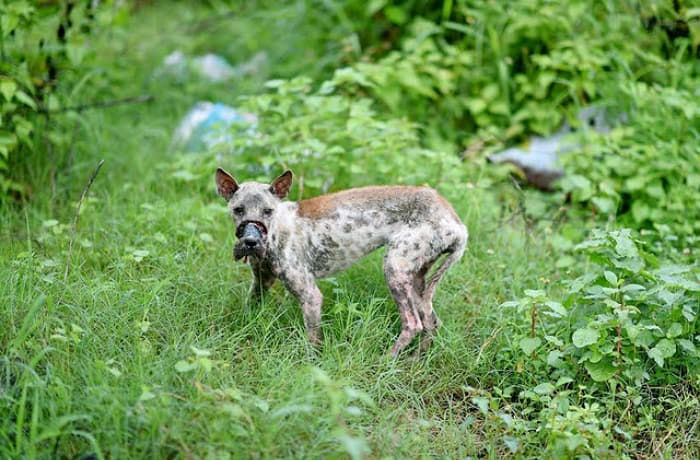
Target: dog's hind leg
[425,307]
[453,251]
[400,281]
[425,287]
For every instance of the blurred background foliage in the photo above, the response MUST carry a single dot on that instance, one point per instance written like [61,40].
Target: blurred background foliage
[466,77]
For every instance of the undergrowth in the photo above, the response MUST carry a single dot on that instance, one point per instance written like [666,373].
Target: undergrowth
[570,326]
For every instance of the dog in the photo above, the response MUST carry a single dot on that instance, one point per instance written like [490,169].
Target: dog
[299,242]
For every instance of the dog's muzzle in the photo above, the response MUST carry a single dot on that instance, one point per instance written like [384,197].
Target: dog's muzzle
[251,239]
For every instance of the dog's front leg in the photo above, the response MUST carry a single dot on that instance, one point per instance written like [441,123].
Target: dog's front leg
[263,278]
[303,286]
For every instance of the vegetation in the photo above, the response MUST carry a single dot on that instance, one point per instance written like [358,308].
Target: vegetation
[570,327]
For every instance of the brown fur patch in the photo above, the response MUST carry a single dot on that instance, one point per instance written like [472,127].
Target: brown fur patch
[324,205]
[446,204]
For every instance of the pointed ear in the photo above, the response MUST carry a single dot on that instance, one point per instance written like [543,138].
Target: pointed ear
[280,186]
[226,185]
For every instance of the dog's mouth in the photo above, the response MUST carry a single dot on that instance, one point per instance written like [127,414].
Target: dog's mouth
[251,236]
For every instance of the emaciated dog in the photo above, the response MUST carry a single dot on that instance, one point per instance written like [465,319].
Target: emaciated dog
[298,242]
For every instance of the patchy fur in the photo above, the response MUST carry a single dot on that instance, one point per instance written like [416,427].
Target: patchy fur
[317,237]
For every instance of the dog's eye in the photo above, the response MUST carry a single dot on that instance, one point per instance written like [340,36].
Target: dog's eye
[238,210]
[267,212]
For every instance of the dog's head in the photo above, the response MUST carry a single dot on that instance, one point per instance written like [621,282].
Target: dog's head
[253,206]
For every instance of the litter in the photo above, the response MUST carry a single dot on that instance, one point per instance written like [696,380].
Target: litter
[208,124]
[539,159]
[211,67]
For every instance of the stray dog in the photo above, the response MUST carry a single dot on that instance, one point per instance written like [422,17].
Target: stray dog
[300,242]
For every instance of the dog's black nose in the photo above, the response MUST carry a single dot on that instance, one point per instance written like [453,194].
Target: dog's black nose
[250,242]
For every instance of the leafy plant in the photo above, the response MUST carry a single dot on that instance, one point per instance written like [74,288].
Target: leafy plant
[17,88]
[626,319]
[332,140]
[476,72]
[646,173]
[43,48]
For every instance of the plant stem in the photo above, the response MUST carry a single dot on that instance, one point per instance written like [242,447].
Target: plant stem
[75,219]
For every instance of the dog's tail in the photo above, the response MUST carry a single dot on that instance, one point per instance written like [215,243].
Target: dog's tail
[454,253]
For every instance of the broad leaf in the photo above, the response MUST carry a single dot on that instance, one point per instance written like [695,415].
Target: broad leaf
[584,337]
[529,344]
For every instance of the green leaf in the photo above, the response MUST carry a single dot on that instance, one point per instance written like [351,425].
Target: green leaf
[674,330]
[580,282]
[530,344]
[636,182]
[8,88]
[580,187]
[205,363]
[604,204]
[476,106]
[601,371]
[140,254]
[624,245]
[563,381]
[21,8]
[75,51]
[584,337]
[640,211]
[262,405]
[557,308]
[554,358]
[274,83]
[350,75]
[8,22]
[146,394]
[688,346]
[396,14]
[544,388]
[657,356]
[199,352]
[53,103]
[482,403]
[185,366]
[512,443]
[611,278]
[535,293]
[510,304]
[25,99]
[666,347]
[373,6]
[7,143]
[632,288]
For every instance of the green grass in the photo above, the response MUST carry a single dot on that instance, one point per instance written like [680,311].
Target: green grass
[93,365]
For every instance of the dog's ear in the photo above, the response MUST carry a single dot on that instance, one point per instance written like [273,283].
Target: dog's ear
[226,185]
[280,186]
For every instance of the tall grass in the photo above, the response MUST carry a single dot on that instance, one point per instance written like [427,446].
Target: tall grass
[151,350]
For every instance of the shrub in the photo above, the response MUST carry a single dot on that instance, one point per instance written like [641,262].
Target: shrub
[647,173]
[43,49]
[334,141]
[627,319]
